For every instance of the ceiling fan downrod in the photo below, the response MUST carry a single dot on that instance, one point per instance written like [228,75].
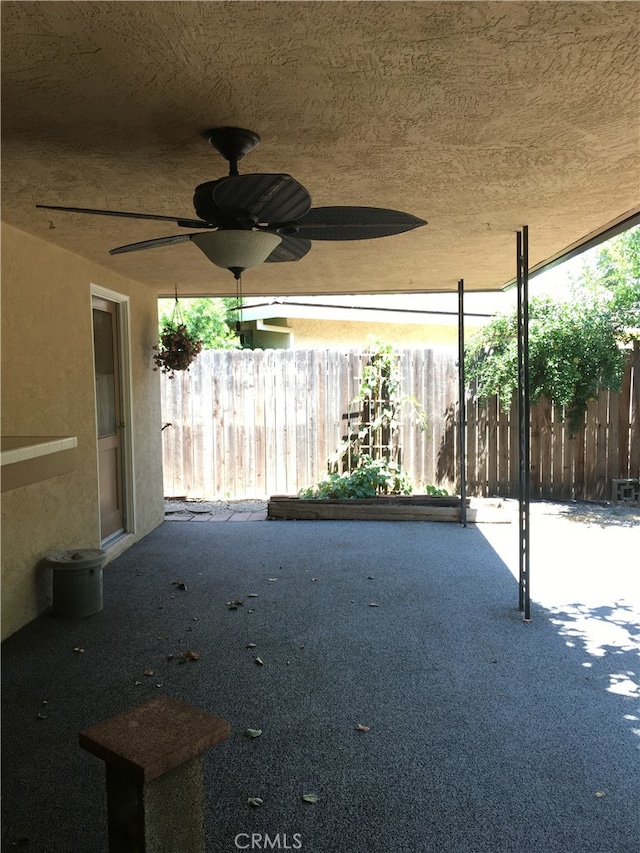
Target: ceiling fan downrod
[233,143]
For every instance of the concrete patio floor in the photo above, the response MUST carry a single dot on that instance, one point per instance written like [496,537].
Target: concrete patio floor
[485,734]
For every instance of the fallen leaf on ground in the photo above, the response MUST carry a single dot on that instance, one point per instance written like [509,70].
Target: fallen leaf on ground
[272,580]
[179,584]
[310,798]
[259,661]
[251,645]
[255,801]
[371,577]
[148,671]
[600,794]
[190,655]
[253,732]
[42,716]
[235,603]
[362,728]
[79,650]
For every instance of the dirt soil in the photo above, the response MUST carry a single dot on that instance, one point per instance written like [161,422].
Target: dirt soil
[197,506]
[602,514]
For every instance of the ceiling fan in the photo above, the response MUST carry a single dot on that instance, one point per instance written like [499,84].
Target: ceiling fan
[246,220]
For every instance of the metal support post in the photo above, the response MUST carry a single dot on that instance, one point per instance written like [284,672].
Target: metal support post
[462,413]
[522,260]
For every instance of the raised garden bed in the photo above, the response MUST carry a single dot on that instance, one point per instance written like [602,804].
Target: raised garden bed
[384,508]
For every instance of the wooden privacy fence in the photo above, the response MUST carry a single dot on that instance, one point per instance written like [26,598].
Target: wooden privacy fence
[255,423]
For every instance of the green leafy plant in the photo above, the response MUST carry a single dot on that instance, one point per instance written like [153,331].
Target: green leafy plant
[613,278]
[176,350]
[368,462]
[575,345]
[178,347]
[573,352]
[382,407]
[370,478]
[209,320]
[436,492]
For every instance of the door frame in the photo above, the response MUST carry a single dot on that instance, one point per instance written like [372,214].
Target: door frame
[123,312]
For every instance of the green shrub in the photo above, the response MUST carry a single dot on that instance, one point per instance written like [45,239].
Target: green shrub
[370,478]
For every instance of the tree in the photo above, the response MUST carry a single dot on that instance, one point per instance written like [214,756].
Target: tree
[614,278]
[575,344]
[207,319]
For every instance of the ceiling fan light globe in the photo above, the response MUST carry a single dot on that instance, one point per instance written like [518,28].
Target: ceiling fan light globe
[235,248]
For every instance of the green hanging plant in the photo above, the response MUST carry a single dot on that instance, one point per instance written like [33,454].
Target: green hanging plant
[177,348]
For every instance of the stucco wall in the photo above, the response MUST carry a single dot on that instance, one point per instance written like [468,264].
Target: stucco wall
[340,333]
[48,389]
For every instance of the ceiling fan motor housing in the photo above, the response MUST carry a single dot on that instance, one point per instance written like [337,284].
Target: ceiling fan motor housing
[205,206]
[244,200]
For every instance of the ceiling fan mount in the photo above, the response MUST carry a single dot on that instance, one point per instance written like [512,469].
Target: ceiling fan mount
[233,143]
[245,220]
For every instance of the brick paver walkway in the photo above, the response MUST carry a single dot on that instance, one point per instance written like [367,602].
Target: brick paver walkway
[226,515]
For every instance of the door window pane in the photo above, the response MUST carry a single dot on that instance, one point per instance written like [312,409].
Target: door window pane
[105,372]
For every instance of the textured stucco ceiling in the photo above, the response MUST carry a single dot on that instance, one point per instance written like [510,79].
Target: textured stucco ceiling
[479,117]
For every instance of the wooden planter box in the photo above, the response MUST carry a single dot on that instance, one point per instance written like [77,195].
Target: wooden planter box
[386,508]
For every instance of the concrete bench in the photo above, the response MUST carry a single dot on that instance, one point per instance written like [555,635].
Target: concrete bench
[153,758]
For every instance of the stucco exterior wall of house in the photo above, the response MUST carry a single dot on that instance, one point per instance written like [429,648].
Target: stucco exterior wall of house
[340,333]
[48,389]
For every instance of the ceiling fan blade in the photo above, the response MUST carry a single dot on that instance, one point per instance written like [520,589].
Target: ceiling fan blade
[151,244]
[184,223]
[269,198]
[291,249]
[354,223]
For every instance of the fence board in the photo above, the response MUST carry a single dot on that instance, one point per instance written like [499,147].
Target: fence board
[590,445]
[473,479]
[503,450]
[546,471]
[260,446]
[601,485]
[259,423]
[271,479]
[492,446]
[556,460]
[535,477]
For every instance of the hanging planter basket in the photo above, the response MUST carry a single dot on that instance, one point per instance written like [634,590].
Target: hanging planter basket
[177,349]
